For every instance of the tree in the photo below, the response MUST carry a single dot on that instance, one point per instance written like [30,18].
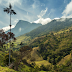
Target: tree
[25,50]
[4,38]
[6,59]
[11,11]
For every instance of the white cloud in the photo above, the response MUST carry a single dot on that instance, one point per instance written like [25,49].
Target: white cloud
[8,27]
[56,18]
[20,29]
[67,13]
[27,13]
[15,21]
[61,19]
[43,21]
[13,2]
[42,4]
[35,4]
[42,13]
[51,12]
[0,1]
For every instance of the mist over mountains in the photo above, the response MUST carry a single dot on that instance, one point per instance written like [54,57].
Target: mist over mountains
[34,29]
[23,27]
[54,25]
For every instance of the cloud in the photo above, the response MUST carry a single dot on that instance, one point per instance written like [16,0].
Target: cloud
[20,29]
[8,27]
[13,2]
[42,13]
[35,4]
[67,13]
[51,12]
[56,18]
[61,20]
[15,21]
[42,4]
[43,21]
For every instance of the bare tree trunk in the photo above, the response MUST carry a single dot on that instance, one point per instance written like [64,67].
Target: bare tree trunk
[10,40]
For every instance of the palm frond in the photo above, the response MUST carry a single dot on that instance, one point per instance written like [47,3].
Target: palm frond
[10,6]
[14,12]
[6,10]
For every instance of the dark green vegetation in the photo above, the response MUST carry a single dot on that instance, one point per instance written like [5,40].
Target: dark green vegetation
[53,48]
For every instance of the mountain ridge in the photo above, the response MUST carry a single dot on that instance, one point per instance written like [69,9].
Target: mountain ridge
[23,27]
[54,25]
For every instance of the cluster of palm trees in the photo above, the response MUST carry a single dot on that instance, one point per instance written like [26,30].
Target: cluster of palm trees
[11,11]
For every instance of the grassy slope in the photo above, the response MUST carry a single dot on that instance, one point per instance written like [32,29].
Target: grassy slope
[34,50]
[43,62]
[6,69]
[63,43]
[63,61]
[27,40]
[2,57]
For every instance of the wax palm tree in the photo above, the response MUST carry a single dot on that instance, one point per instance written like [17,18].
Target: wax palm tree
[9,10]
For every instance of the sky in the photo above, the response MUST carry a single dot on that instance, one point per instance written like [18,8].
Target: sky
[38,11]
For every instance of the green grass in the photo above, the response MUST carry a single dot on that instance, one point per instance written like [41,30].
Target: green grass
[1,57]
[63,61]
[43,62]
[6,69]
[25,67]
[23,38]
[42,71]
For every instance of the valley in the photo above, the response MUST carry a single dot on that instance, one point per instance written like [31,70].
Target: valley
[51,49]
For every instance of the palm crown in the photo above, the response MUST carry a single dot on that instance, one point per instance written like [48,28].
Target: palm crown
[9,10]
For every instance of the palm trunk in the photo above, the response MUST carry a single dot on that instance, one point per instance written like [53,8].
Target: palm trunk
[10,40]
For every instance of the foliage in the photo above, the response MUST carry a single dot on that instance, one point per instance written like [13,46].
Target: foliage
[32,59]
[6,59]
[4,38]
[54,47]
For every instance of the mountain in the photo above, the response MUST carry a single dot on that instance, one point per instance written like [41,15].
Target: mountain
[51,52]
[23,27]
[54,25]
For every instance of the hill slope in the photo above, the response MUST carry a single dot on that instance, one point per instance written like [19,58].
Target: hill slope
[23,27]
[54,25]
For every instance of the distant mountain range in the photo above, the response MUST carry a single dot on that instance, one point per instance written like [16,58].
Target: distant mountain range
[54,25]
[34,30]
[23,27]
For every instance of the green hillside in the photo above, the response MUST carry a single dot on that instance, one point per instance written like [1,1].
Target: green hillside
[54,25]
[51,53]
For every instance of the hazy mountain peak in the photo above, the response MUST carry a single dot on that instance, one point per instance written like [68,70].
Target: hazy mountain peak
[23,27]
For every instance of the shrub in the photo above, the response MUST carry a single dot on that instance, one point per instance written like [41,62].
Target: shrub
[24,61]
[42,67]
[32,59]
[6,59]
[33,64]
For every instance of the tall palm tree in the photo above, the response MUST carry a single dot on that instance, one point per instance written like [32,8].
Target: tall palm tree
[11,11]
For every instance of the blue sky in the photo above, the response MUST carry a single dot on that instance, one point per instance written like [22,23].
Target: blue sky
[38,11]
